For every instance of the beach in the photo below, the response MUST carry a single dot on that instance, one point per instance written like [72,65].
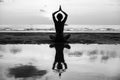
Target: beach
[43,37]
[59,39]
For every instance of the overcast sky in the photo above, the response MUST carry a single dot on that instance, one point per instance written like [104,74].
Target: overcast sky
[79,11]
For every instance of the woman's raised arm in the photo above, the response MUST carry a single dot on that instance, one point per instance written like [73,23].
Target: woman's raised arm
[53,15]
[66,15]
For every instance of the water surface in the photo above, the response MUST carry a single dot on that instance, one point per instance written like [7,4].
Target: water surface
[84,62]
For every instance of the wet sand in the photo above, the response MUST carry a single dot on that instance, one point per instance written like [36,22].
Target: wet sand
[43,37]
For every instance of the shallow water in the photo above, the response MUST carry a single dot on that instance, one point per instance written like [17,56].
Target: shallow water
[84,62]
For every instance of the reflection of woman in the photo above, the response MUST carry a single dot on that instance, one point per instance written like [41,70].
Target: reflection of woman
[59,21]
[59,64]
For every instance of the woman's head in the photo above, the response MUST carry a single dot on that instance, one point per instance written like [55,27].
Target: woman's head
[59,66]
[59,16]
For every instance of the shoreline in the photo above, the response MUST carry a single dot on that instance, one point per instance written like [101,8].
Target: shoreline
[43,37]
[64,31]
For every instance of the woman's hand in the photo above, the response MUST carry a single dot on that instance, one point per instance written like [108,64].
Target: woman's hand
[60,9]
[55,12]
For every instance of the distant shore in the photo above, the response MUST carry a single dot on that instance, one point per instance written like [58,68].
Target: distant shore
[43,37]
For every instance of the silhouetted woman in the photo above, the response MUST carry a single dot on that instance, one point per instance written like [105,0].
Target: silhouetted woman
[59,22]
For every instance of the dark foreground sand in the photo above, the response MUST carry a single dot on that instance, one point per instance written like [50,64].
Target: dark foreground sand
[40,37]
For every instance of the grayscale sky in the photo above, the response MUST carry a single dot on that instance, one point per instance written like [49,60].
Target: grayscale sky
[85,12]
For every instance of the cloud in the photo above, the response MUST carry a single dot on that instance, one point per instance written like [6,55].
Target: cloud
[26,71]
[1,56]
[1,0]
[2,49]
[15,50]
[76,54]
[115,2]
[42,10]
[94,52]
